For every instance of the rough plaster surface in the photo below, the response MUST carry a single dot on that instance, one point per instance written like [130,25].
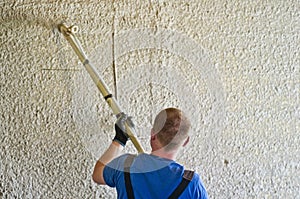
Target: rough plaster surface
[238,79]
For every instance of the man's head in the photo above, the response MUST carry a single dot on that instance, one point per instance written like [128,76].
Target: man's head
[171,128]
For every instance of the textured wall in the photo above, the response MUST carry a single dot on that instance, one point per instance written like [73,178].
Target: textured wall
[233,66]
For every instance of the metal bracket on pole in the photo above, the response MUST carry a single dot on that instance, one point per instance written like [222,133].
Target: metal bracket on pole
[68,33]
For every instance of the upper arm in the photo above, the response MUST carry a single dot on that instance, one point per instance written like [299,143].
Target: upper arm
[200,190]
[112,152]
[98,173]
[110,173]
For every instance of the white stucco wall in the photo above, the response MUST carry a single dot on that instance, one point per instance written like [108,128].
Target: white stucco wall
[233,66]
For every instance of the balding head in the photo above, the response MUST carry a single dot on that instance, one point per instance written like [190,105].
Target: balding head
[171,127]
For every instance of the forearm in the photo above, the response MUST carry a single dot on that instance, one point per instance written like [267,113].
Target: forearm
[113,151]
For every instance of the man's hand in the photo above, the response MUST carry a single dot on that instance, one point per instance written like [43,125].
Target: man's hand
[121,135]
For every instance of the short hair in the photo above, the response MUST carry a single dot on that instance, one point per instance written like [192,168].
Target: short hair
[172,127]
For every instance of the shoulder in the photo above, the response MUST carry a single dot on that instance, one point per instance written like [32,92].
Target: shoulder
[117,163]
[198,187]
[114,170]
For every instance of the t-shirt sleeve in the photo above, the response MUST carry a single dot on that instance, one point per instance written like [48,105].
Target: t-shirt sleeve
[113,170]
[200,190]
[108,176]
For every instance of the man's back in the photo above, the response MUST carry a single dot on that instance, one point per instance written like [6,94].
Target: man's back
[151,177]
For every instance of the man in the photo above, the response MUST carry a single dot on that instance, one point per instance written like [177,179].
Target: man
[155,175]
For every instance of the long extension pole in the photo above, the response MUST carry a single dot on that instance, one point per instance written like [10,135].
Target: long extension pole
[69,34]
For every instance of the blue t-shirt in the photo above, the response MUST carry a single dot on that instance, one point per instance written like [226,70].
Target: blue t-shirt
[151,177]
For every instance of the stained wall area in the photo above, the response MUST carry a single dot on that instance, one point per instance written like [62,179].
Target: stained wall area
[233,66]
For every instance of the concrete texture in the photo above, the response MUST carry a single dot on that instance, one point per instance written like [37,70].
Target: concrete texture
[232,65]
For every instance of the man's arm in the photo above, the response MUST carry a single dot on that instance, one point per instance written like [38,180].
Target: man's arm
[113,151]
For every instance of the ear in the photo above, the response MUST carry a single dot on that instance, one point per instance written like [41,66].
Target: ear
[153,134]
[153,137]
[186,141]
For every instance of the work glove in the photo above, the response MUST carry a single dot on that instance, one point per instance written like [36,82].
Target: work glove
[121,135]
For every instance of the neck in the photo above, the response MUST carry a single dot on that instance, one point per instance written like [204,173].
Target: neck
[163,154]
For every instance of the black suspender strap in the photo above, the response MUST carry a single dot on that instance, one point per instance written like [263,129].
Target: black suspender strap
[187,177]
[127,164]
